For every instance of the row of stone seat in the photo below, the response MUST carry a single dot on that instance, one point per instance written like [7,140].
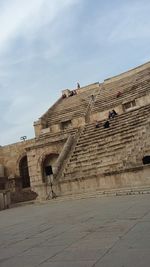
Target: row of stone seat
[108,94]
[117,126]
[75,112]
[74,106]
[109,149]
[93,154]
[105,105]
[107,99]
[53,137]
[128,81]
[120,121]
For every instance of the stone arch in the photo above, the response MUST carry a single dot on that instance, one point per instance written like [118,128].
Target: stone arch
[17,171]
[24,171]
[47,159]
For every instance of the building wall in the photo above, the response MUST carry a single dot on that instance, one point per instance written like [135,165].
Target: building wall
[132,179]
[36,155]
[11,155]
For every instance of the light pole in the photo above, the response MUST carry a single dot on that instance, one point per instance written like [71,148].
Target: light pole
[23,138]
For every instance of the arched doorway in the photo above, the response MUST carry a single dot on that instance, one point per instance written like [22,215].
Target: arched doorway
[47,165]
[24,172]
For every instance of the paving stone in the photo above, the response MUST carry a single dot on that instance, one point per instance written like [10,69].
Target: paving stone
[109,231]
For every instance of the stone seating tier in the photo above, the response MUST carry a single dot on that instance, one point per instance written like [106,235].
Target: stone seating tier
[134,87]
[70,107]
[100,150]
[55,137]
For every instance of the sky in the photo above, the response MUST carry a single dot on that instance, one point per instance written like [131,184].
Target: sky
[50,45]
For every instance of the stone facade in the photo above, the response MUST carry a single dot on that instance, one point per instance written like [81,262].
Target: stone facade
[81,158]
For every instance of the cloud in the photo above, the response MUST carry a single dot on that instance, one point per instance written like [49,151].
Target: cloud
[119,22]
[29,39]
[131,23]
[25,17]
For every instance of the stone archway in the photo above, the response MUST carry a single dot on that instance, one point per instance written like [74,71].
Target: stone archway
[24,172]
[48,163]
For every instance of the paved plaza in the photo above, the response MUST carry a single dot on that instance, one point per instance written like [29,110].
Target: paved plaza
[94,232]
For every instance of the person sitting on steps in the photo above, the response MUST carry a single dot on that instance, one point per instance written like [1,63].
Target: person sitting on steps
[118,94]
[71,93]
[112,114]
[64,96]
[106,124]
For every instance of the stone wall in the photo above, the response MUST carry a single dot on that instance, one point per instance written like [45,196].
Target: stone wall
[11,156]
[36,155]
[133,178]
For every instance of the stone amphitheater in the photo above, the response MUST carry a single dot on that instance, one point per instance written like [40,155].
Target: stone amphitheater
[70,156]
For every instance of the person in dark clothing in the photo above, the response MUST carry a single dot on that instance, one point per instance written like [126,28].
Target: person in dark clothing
[78,86]
[64,96]
[114,112]
[71,93]
[109,115]
[97,124]
[106,124]
[92,96]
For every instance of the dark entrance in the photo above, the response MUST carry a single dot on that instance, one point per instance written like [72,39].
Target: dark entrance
[146,160]
[24,173]
[47,165]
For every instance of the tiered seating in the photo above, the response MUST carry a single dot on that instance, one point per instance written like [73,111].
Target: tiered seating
[70,107]
[100,150]
[54,137]
[131,87]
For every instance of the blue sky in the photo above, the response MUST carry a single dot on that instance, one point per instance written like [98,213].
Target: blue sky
[49,45]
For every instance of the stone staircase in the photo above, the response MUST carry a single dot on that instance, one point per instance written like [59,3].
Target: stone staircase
[75,139]
[104,151]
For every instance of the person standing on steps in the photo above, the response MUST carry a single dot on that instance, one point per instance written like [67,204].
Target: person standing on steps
[78,86]
[93,98]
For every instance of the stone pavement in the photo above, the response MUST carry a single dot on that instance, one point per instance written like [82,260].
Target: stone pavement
[94,232]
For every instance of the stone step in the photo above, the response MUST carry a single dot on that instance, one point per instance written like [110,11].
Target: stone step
[110,132]
[93,142]
[104,103]
[95,168]
[103,193]
[98,154]
[109,96]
